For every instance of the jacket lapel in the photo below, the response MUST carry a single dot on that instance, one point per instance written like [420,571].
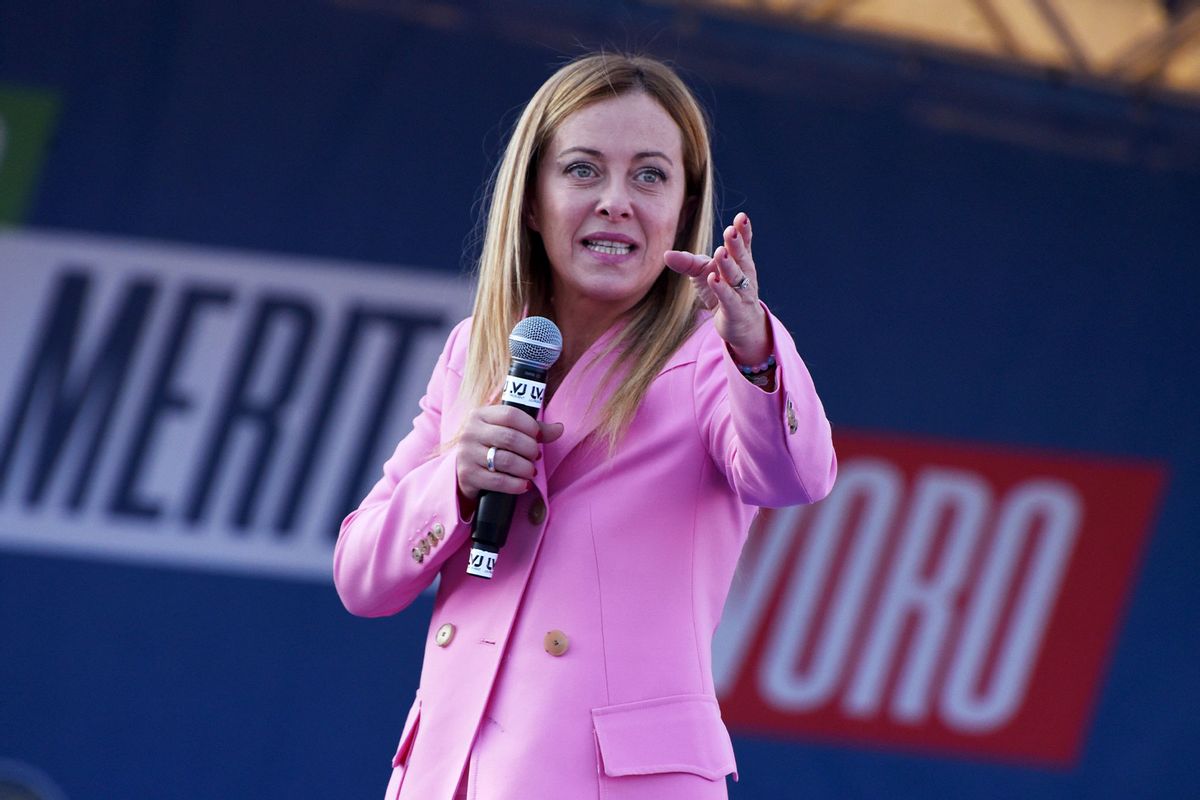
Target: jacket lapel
[579,401]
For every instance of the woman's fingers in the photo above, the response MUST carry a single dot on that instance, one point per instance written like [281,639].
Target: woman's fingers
[736,242]
[514,435]
[474,476]
[550,431]
[725,294]
[742,223]
[723,282]
[739,315]
[686,263]
[696,267]
[499,481]
[510,441]
[738,250]
[511,429]
[731,272]
[506,462]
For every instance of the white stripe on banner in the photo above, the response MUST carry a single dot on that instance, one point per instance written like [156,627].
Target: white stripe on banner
[202,408]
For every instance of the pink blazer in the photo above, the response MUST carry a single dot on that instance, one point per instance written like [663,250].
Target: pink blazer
[583,669]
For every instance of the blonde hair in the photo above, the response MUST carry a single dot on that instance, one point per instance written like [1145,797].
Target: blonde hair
[514,277]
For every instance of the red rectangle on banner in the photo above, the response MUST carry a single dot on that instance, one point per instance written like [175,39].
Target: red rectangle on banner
[946,597]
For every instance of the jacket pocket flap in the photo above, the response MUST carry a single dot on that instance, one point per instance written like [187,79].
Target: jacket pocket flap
[407,736]
[667,734]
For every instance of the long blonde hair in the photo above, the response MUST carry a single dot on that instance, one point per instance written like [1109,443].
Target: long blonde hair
[514,276]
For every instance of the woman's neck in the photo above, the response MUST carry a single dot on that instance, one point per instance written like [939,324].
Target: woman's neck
[581,328]
[581,324]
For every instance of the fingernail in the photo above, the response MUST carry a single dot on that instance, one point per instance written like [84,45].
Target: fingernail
[538,438]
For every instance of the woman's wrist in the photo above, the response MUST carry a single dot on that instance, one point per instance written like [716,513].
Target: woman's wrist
[755,348]
[466,506]
[756,360]
[756,369]
[762,374]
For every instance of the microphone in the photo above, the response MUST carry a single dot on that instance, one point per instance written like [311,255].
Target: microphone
[534,344]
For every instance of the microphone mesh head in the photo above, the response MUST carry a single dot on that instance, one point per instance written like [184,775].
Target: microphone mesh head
[536,341]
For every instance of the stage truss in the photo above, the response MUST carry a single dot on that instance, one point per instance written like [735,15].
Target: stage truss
[1140,46]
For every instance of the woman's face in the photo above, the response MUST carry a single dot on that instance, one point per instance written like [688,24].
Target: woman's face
[609,202]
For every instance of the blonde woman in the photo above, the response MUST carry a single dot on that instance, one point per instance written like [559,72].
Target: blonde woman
[678,406]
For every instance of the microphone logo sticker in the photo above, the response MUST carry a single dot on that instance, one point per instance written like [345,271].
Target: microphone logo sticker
[482,563]
[523,392]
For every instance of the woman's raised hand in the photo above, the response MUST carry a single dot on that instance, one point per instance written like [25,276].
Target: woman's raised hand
[728,285]
[515,435]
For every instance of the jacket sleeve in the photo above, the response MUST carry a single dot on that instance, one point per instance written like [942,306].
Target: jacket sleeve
[775,448]
[391,547]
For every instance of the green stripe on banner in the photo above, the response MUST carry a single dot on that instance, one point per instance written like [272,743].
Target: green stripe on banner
[26,119]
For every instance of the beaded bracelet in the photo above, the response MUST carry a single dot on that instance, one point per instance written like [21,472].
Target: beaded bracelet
[759,374]
[757,368]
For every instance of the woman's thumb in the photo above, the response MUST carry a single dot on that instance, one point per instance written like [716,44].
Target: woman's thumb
[550,431]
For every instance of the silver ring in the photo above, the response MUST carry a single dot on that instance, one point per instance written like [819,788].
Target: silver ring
[743,283]
[491,459]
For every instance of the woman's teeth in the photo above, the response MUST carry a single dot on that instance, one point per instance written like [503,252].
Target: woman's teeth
[609,248]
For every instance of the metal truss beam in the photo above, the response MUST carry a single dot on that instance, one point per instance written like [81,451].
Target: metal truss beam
[1137,44]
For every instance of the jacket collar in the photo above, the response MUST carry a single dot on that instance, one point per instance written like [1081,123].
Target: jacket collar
[580,399]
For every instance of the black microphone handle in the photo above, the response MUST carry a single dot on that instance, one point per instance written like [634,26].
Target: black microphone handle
[493,515]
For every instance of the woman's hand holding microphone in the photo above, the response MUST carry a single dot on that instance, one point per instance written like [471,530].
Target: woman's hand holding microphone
[511,465]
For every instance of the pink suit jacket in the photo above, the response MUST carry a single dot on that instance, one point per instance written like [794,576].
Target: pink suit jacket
[624,559]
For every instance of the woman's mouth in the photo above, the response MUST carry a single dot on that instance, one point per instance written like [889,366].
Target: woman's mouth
[608,247]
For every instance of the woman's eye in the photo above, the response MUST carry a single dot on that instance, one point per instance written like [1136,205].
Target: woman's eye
[651,175]
[580,171]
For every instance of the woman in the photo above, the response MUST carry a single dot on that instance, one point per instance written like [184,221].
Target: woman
[678,405]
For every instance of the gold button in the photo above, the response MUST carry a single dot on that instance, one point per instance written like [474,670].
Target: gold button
[537,512]
[432,541]
[791,417]
[556,643]
[417,555]
[423,546]
[444,635]
[438,531]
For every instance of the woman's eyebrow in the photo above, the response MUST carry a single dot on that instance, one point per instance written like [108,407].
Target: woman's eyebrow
[655,154]
[585,150]
[637,156]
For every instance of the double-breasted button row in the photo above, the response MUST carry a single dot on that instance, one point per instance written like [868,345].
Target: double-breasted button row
[555,642]
[430,540]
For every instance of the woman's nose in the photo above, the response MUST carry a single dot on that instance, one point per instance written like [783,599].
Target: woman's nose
[614,202]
